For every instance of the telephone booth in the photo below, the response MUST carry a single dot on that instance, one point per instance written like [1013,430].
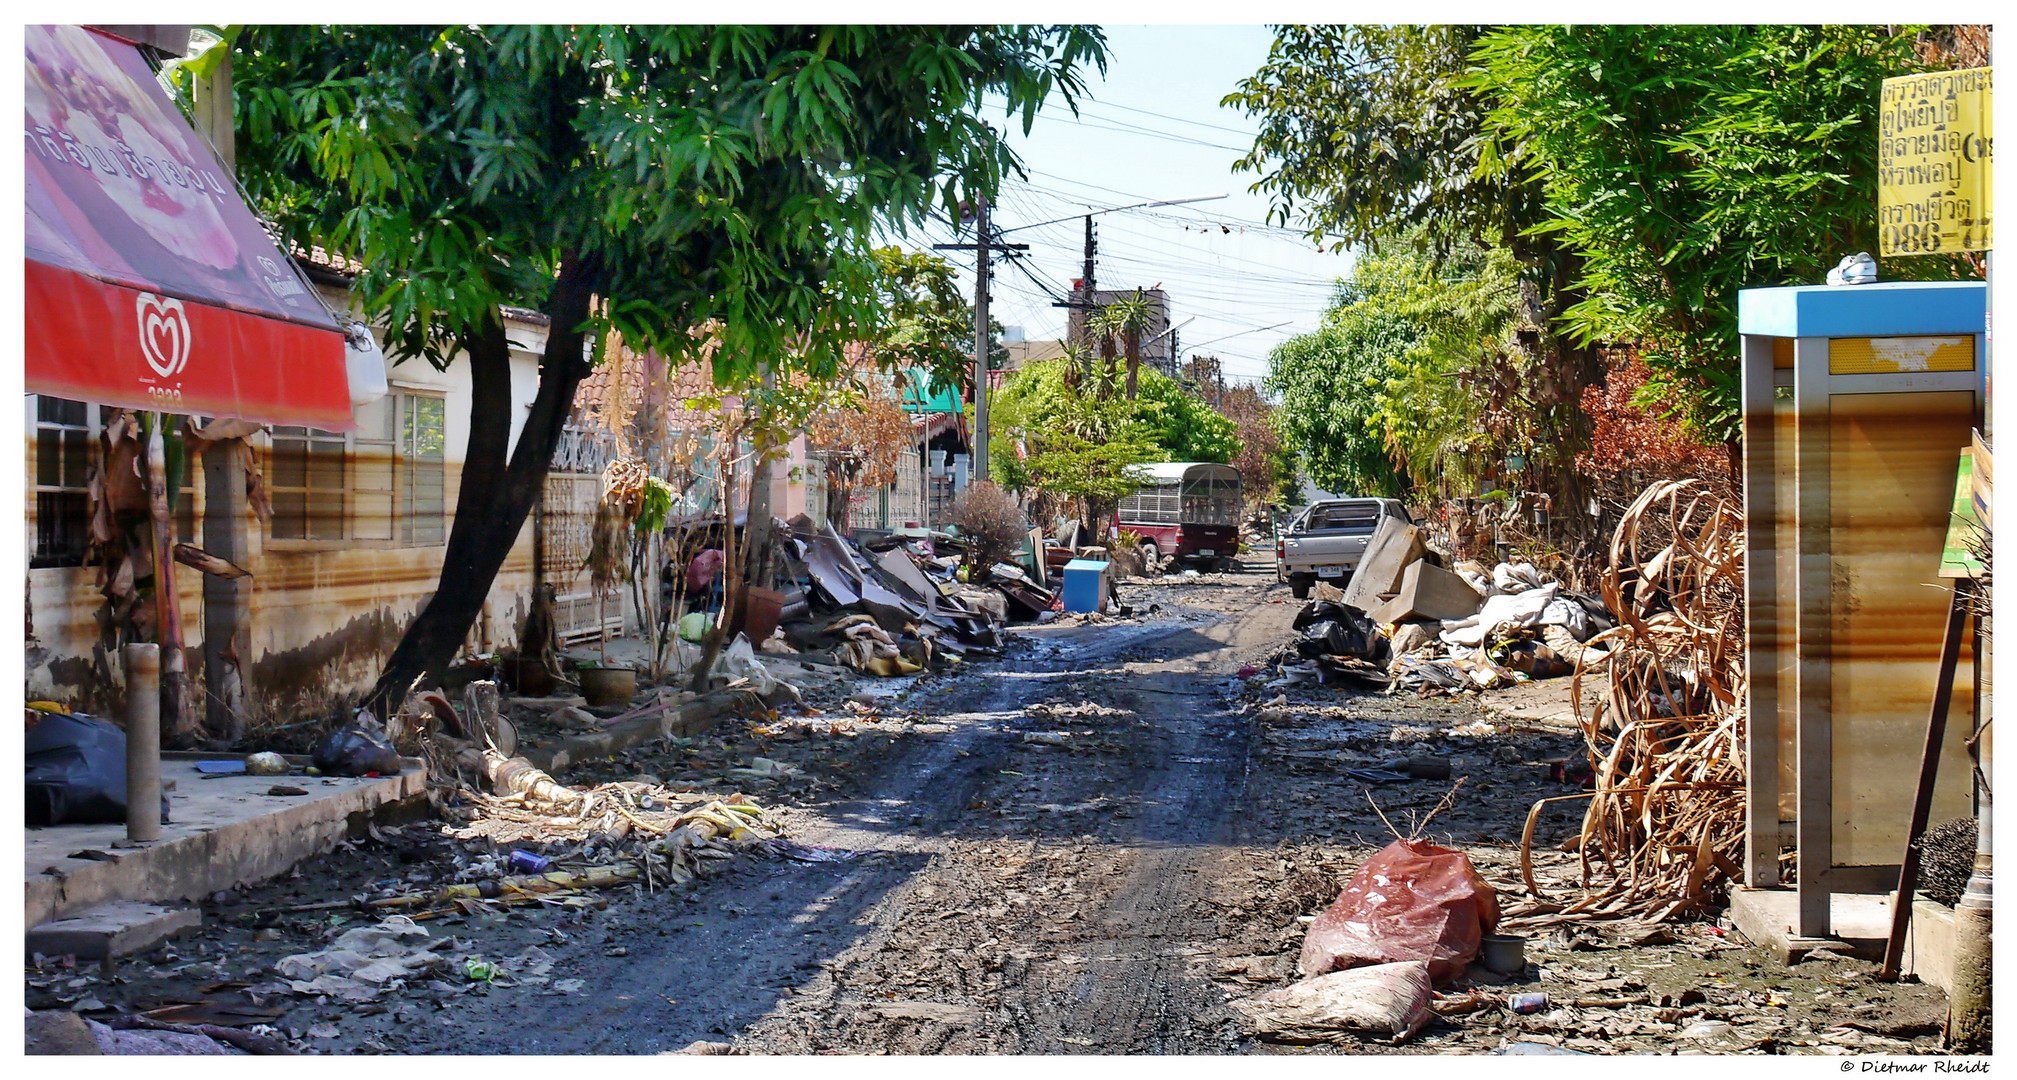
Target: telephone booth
[1857,403]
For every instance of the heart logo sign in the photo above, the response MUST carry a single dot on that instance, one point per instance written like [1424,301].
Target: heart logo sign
[164,334]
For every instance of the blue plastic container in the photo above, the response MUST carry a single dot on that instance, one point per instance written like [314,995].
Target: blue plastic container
[1085,585]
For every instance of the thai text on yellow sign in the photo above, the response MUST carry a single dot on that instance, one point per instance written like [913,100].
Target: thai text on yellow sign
[1934,142]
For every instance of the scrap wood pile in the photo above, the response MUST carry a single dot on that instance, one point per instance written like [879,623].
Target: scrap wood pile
[1663,832]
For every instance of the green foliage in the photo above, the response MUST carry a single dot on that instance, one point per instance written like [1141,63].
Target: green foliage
[1431,412]
[1369,134]
[925,322]
[1078,444]
[1187,429]
[1364,134]
[691,176]
[1686,163]
[1041,403]
[1638,175]
[1127,315]
[656,506]
[1329,383]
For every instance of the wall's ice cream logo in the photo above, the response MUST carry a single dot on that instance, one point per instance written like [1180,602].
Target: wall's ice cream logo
[164,334]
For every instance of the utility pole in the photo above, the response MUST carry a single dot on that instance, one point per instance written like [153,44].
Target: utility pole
[1086,301]
[980,338]
[984,245]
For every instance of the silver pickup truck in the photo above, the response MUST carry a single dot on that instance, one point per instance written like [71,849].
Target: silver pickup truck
[1325,541]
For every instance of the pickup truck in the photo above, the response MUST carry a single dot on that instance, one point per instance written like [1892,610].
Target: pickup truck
[1326,540]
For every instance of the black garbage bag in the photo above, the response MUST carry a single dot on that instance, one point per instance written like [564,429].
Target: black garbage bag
[355,749]
[77,771]
[1316,640]
[1341,631]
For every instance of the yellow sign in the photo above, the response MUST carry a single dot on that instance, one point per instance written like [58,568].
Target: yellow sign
[1933,159]
[1894,355]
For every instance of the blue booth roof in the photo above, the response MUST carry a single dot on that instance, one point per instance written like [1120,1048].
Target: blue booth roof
[1879,309]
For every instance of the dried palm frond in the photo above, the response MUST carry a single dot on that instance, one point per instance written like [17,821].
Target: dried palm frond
[1664,830]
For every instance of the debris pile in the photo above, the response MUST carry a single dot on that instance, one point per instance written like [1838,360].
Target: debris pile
[1407,622]
[1665,736]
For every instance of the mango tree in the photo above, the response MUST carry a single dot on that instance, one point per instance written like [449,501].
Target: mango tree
[648,179]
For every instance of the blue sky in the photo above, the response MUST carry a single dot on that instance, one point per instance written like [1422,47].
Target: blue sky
[1153,129]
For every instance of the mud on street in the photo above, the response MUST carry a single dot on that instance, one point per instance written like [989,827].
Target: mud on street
[1091,845]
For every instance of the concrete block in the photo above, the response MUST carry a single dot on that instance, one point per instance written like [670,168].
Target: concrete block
[1429,592]
[111,930]
[1861,923]
[1393,546]
[56,1033]
[1929,944]
[225,832]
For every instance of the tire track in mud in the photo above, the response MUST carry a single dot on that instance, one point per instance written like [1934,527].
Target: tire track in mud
[1060,916]
[989,893]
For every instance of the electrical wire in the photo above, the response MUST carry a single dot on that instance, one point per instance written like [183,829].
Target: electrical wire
[1166,116]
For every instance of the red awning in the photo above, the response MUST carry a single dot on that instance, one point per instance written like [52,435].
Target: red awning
[149,282]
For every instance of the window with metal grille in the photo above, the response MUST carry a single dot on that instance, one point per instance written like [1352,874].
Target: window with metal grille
[374,490]
[62,481]
[1158,505]
[308,484]
[423,443]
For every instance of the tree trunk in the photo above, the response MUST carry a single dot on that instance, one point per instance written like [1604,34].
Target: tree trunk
[497,492]
[178,716]
[1134,347]
[756,536]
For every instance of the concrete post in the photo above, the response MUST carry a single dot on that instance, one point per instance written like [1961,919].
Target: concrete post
[143,741]
[1968,1001]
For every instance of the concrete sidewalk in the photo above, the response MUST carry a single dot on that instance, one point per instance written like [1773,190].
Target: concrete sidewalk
[1542,703]
[224,832]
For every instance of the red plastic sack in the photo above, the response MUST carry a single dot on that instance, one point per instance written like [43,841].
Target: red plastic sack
[1411,901]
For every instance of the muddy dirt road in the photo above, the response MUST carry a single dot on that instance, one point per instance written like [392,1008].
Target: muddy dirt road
[1089,846]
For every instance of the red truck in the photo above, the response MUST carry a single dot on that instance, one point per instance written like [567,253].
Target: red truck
[1187,511]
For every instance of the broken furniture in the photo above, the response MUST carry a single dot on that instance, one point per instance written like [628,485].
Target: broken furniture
[1857,401]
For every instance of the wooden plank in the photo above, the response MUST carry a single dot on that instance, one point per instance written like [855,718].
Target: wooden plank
[1922,796]
[1964,526]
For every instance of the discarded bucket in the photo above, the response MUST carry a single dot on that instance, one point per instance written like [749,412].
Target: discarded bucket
[608,685]
[1503,953]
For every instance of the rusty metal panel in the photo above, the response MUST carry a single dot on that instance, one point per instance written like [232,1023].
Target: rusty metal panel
[1892,465]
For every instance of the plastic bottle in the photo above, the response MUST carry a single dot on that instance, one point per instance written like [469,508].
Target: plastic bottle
[525,862]
[1527,1003]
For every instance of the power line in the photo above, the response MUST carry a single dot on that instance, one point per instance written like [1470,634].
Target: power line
[1134,129]
[1215,219]
[1178,119]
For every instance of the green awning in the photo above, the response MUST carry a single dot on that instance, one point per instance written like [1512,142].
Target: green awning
[921,394]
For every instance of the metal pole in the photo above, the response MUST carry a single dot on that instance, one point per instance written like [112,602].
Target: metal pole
[1086,283]
[143,741]
[983,244]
